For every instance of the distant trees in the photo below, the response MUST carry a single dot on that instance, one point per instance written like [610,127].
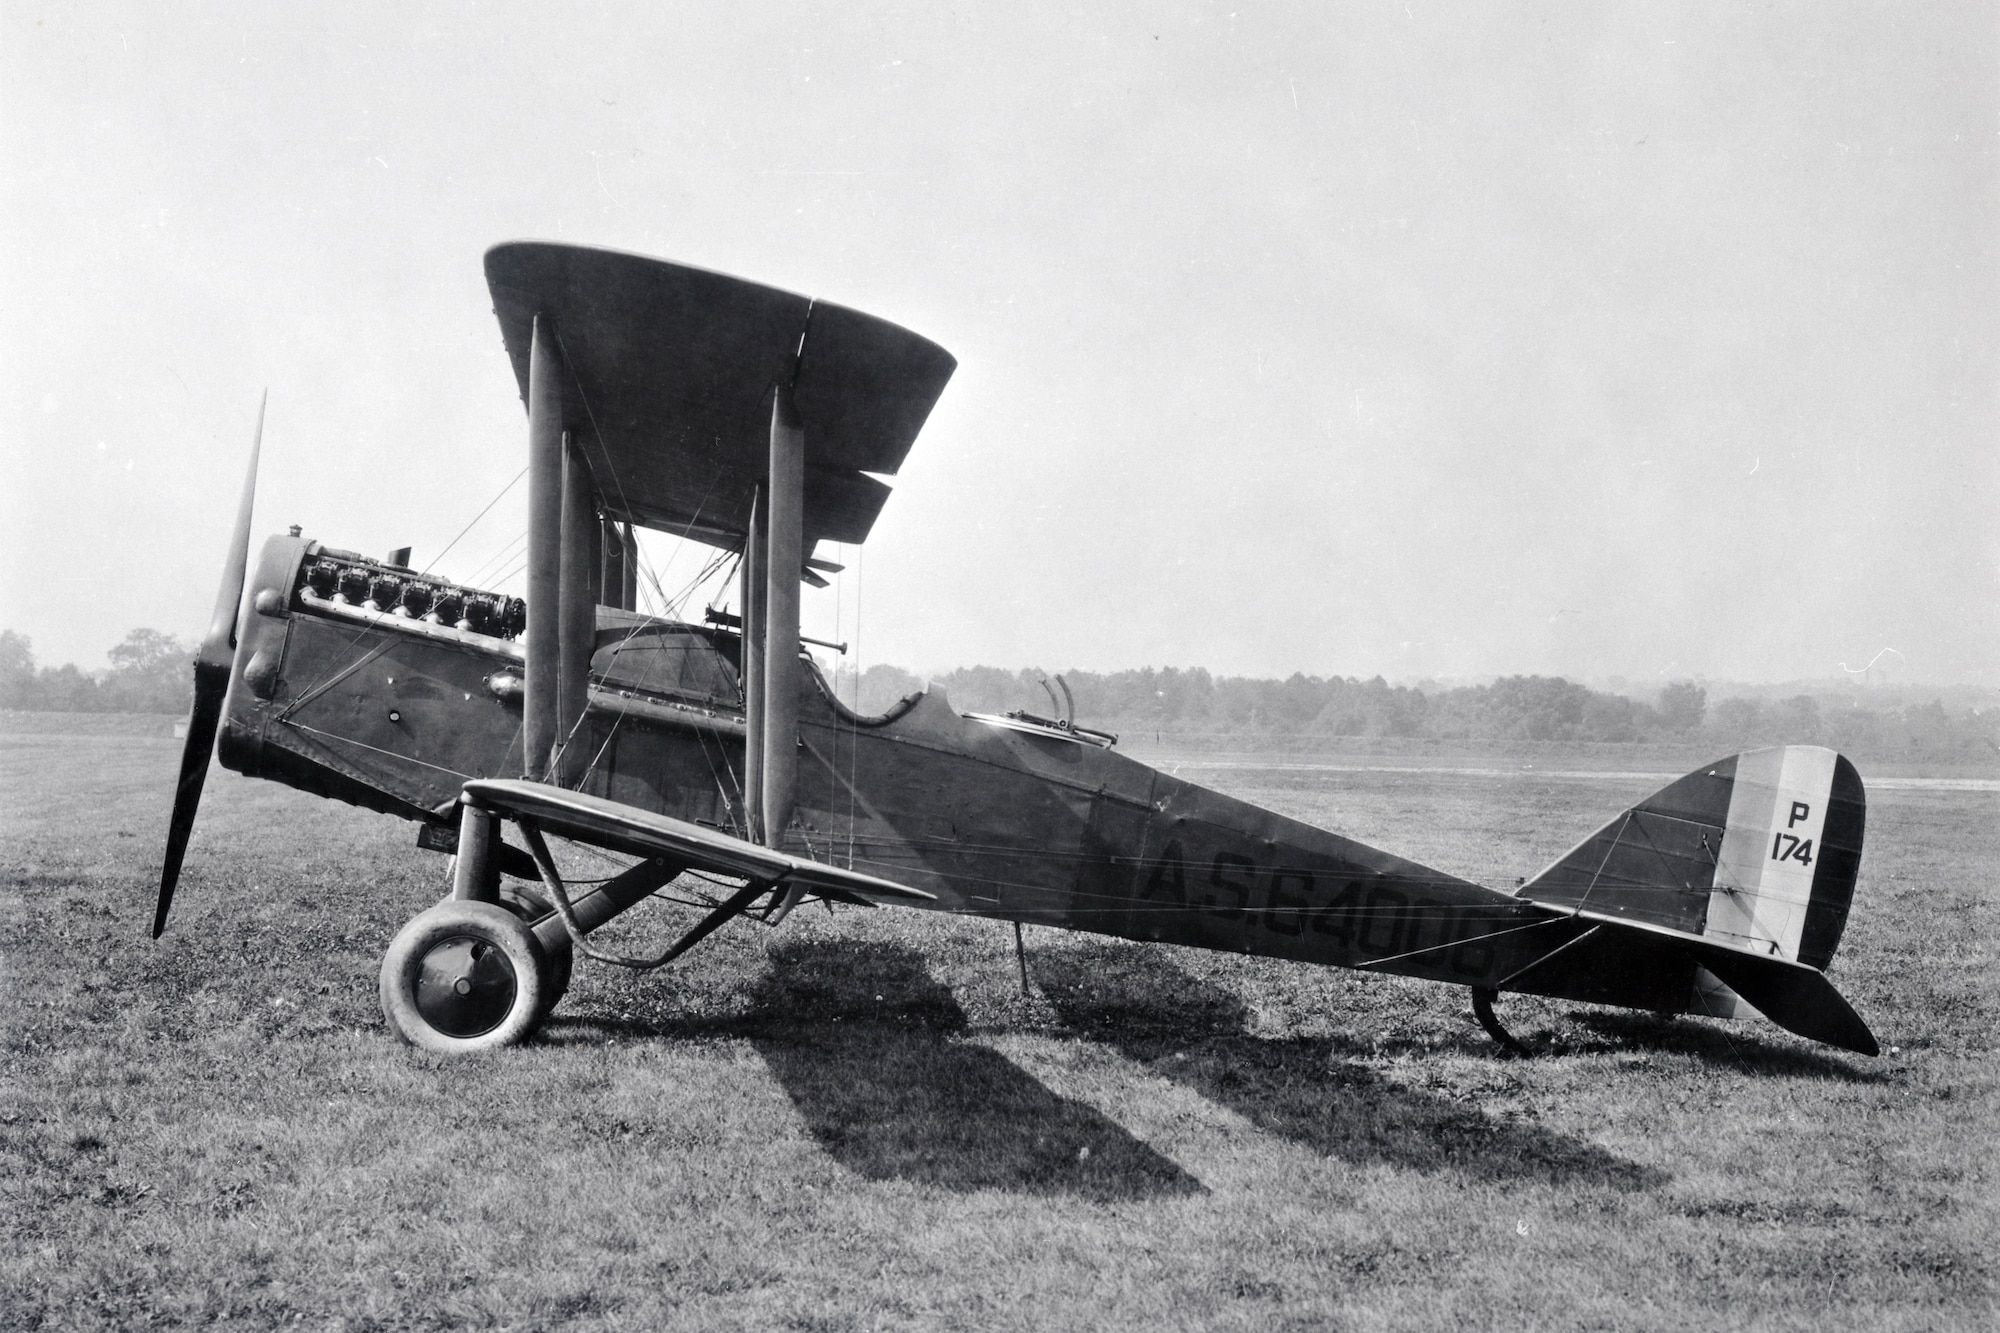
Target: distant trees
[1527,708]
[878,687]
[1192,703]
[17,668]
[149,673]
[1682,705]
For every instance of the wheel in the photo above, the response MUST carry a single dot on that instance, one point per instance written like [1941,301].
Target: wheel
[530,906]
[464,977]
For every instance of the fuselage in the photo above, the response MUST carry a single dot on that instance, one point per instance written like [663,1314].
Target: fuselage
[390,689]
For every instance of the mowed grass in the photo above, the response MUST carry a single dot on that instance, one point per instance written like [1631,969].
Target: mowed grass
[859,1121]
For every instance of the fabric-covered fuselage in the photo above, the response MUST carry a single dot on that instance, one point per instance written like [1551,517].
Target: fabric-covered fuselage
[396,712]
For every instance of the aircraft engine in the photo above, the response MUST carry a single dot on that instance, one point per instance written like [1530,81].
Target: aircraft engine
[346,579]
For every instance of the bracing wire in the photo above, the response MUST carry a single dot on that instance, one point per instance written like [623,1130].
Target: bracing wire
[497,559]
[475,519]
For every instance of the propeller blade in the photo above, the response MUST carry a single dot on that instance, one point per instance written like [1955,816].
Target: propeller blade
[211,686]
[221,641]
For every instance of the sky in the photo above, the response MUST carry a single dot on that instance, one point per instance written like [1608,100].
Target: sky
[1430,341]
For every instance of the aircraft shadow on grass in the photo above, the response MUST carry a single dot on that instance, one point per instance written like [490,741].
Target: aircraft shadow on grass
[1312,1091]
[861,1037]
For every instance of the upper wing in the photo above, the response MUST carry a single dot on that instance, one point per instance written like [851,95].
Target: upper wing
[669,386]
[628,829]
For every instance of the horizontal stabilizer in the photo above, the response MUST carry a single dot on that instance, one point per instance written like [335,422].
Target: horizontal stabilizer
[1643,966]
[636,832]
[1797,998]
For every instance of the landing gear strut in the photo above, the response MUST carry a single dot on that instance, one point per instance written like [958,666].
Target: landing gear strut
[482,969]
[534,908]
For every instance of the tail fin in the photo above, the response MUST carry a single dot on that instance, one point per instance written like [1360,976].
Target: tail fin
[1750,864]
[1758,852]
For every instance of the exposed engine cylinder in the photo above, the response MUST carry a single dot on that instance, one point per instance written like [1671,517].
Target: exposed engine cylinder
[355,580]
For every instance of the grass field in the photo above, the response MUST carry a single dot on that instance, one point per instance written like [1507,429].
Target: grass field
[860,1122]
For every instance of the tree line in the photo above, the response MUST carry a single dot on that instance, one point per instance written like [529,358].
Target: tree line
[1193,705]
[150,672]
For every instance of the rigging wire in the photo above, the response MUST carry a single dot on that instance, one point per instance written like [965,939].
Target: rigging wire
[475,518]
[498,558]
[624,707]
[501,580]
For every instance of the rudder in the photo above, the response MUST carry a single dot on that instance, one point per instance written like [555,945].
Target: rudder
[1758,853]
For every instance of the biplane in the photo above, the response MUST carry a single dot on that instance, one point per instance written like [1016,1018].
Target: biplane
[759,423]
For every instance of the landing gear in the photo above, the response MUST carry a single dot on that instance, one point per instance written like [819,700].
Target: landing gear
[1482,1009]
[531,907]
[465,976]
[482,969]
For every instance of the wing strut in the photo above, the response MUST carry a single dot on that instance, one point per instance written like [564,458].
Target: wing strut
[773,553]
[628,588]
[576,609]
[782,561]
[753,669]
[539,727]
[576,559]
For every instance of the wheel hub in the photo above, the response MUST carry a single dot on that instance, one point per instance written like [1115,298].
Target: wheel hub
[465,986]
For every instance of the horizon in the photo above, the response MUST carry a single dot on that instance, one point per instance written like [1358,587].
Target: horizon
[842,674]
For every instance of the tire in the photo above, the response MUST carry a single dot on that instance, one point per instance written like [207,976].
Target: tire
[464,977]
[530,906]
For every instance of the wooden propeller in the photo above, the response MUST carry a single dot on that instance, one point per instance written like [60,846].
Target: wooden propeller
[211,684]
